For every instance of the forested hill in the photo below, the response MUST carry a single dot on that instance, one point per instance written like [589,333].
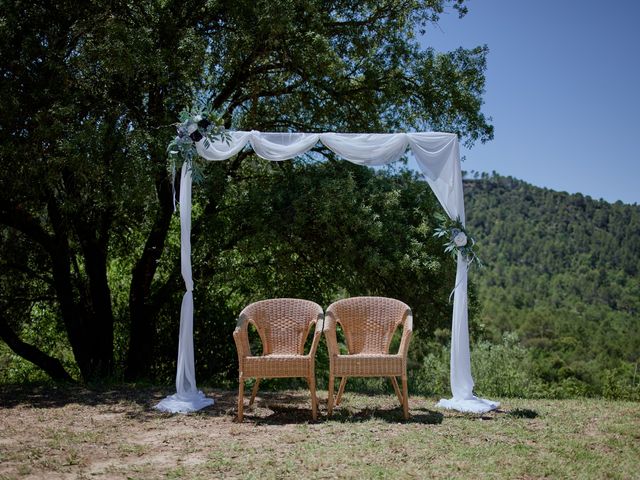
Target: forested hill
[563,271]
[553,248]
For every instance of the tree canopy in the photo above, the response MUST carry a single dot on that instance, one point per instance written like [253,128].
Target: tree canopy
[90,93]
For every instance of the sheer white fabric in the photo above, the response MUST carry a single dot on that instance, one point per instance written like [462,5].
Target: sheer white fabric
[367,148]
[282,146]
[438,157]
[187,397]
[223,149]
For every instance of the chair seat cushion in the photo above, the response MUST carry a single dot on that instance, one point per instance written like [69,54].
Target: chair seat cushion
[277,366]
[368,365]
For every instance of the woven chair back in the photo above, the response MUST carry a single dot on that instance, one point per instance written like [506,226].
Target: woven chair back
[368,323]
[282,323]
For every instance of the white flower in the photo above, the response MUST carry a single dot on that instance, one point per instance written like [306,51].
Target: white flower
[460,239]
[197,118]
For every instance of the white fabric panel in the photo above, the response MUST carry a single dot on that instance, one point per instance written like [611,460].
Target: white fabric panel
[438,157]
[185,403]
[223,149]
[367,148]
[470,405]
[185,226]
[282,146]
[461,381]
[187,397]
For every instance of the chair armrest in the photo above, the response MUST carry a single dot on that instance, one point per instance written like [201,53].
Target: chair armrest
[241,337]
[329,330]
[407,330]
[316,334]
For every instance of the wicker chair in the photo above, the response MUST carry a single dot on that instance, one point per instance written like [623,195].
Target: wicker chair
[283,325]
[368,324]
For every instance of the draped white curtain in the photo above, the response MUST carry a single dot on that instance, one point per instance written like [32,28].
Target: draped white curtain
[438,157]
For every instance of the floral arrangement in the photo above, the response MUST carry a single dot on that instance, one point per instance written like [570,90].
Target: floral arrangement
[459,241]
[196,124]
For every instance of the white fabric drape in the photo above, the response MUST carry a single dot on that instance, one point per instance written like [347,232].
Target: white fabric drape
[367,148]
[438,157]
[187,397]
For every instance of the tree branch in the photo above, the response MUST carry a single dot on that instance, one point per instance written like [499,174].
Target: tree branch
[235,80]
[50,365]
[15,216]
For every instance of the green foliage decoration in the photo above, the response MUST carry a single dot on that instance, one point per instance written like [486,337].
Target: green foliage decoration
[198,123]
[459,240]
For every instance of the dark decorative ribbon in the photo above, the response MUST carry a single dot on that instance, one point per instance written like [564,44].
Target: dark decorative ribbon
[196,136]
[204,123]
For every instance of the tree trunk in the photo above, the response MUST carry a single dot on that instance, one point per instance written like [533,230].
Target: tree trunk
[50,365]
[142,310]
[86,311]
[98,321]
[143,321]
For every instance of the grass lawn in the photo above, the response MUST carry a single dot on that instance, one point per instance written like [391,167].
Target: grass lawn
[77,433]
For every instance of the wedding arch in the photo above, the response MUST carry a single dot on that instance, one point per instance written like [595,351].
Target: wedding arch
[438,157]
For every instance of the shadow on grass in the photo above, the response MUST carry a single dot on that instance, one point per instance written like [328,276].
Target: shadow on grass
[293,408]
[137,402]
[391,415]
[522,413]
[494,414]
[279,408]
[118,398]
[59,395]
[273,408]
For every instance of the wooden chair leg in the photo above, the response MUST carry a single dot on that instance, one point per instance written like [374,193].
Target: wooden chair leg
[314,400]
[254,391]
[394,382]
[241,400]
[405,398]
[343,382]
[330,396]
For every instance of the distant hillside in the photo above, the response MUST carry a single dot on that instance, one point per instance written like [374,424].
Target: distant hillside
[563,272]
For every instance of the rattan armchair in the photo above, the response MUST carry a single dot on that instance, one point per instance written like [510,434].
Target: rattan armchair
[368,324]
[283,325]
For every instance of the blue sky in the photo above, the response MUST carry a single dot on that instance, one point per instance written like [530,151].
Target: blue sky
[563,89]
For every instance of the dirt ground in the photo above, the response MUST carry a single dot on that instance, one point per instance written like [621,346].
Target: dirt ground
[51,432]
[72,432]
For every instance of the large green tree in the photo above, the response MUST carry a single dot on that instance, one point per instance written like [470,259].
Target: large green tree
[90,91]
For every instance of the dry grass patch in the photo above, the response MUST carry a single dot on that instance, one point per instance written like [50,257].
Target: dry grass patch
[78,433]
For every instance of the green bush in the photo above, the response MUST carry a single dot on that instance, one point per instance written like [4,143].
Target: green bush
[509,369]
